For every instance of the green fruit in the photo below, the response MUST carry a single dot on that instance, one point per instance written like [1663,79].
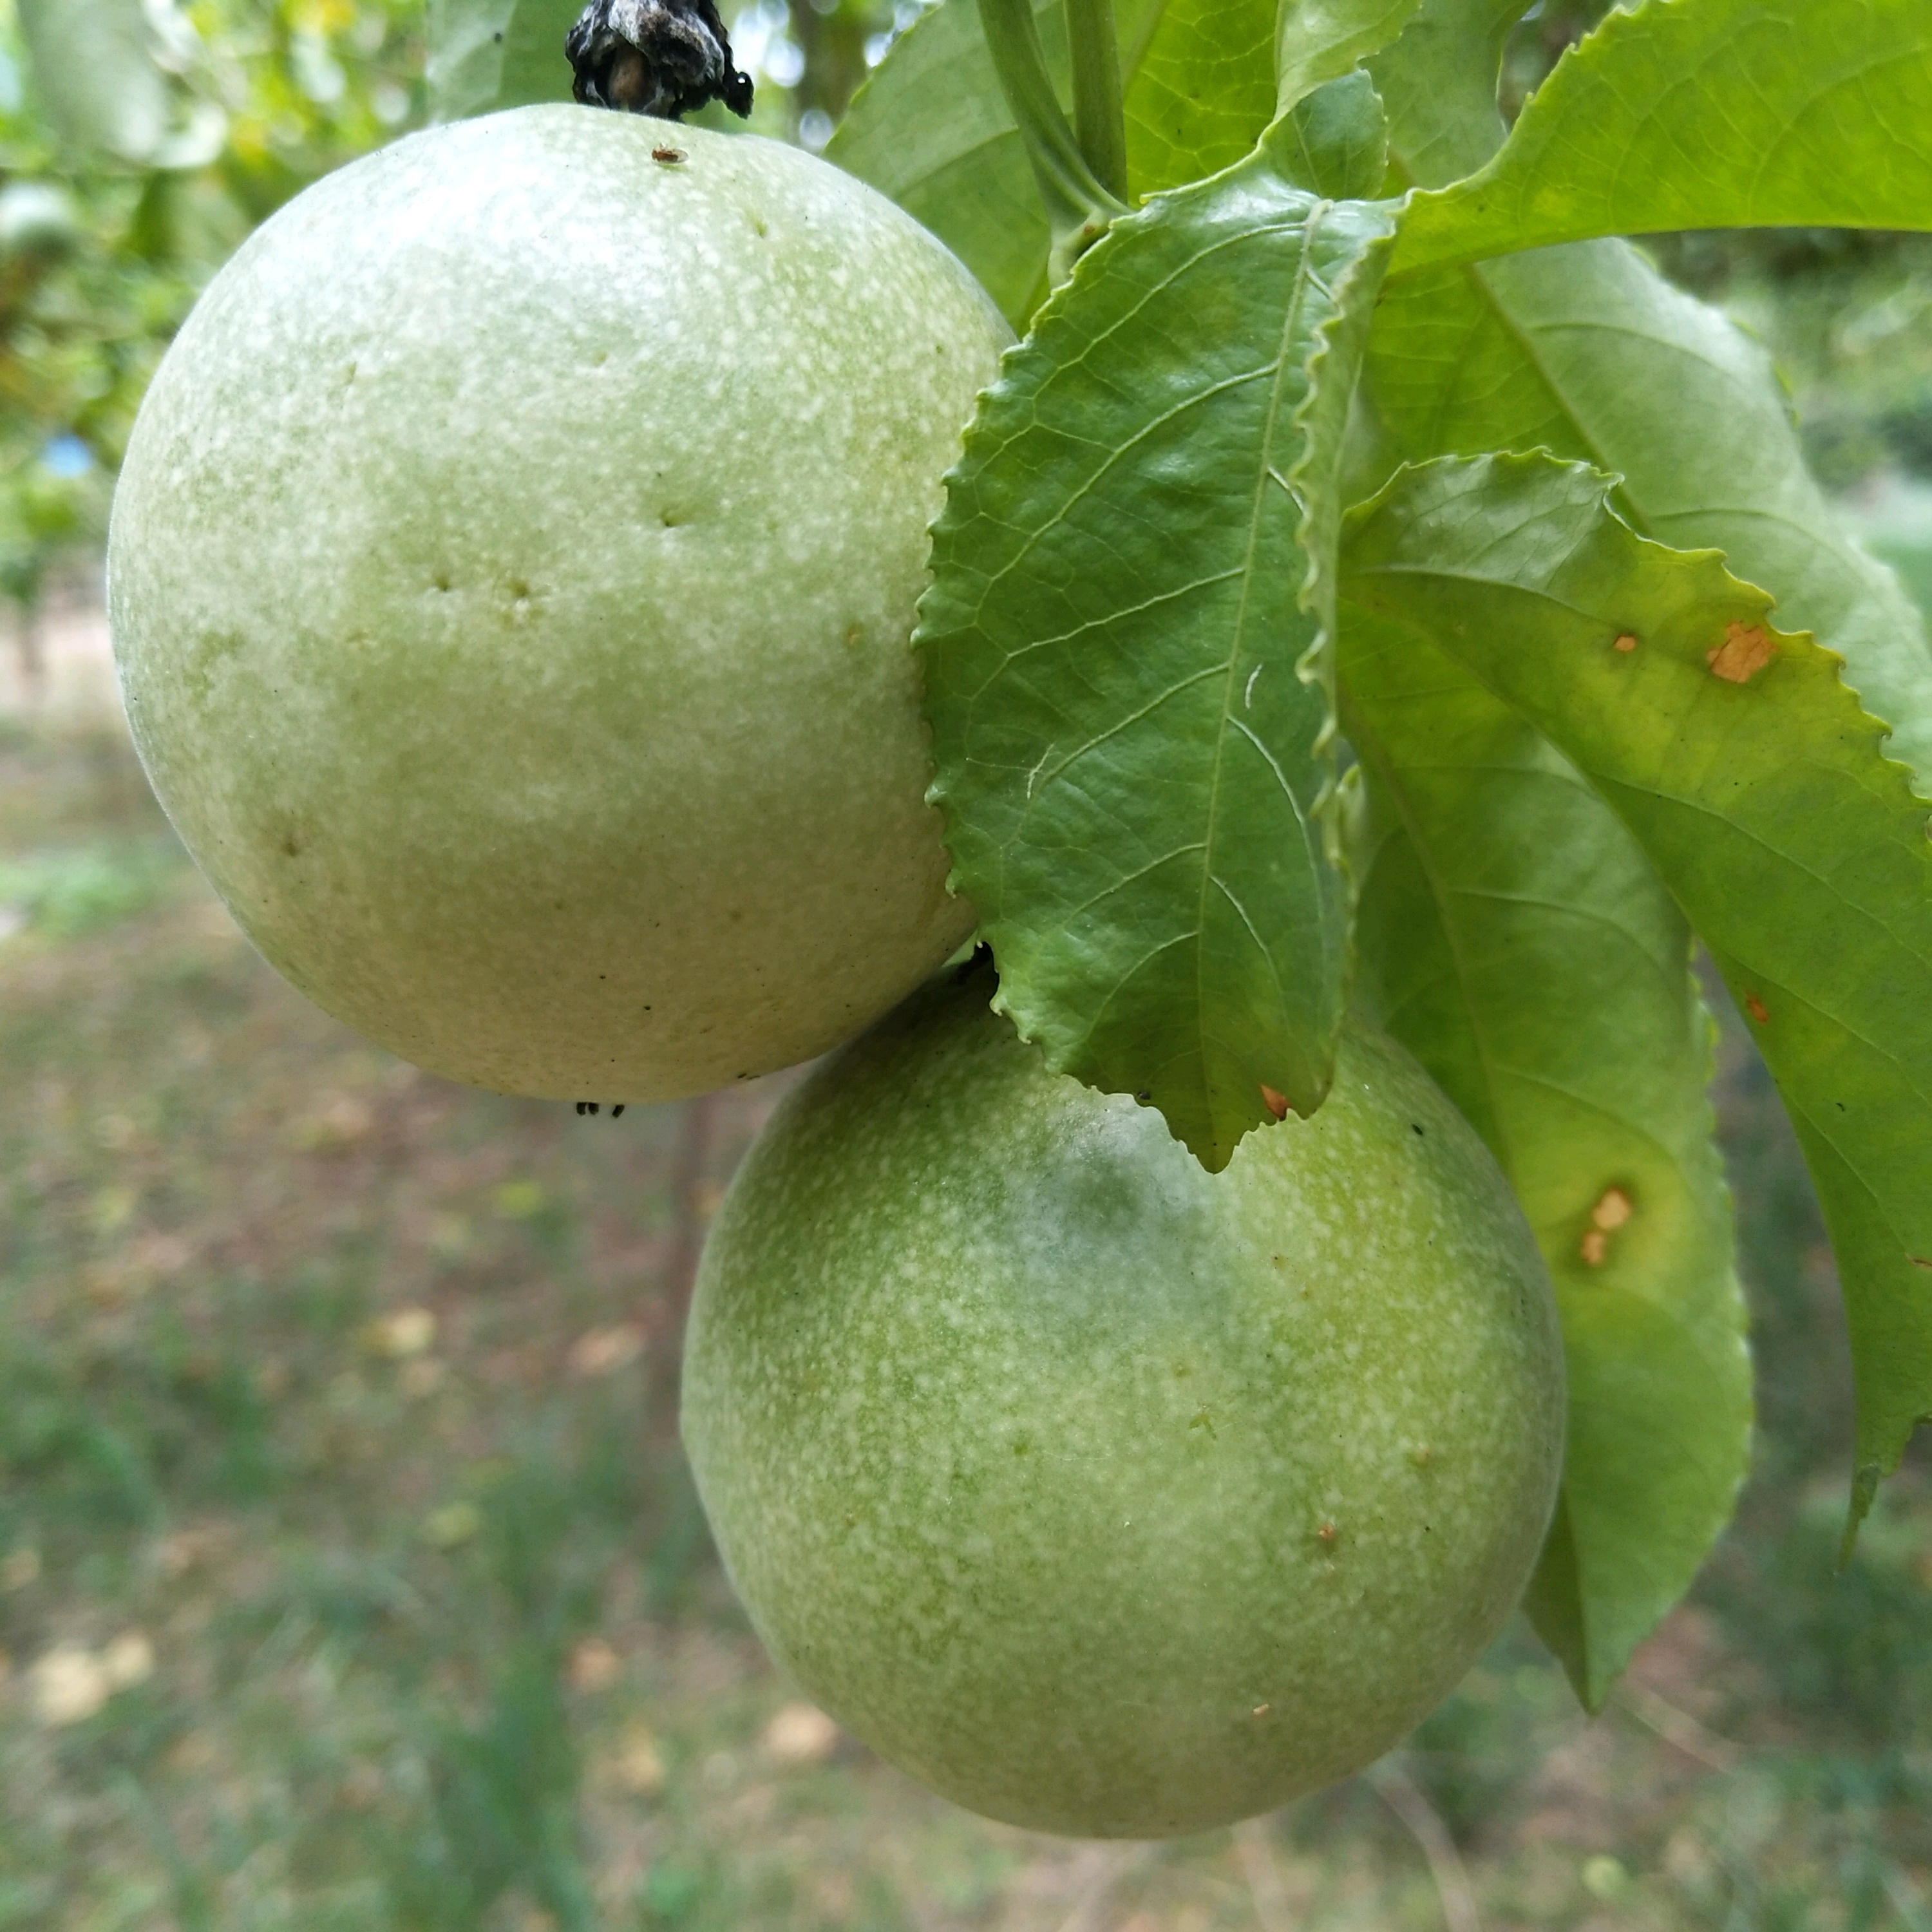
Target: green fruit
[1106,1496]
[512,576]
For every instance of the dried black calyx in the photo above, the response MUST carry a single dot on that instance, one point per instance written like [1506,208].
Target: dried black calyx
[660,57]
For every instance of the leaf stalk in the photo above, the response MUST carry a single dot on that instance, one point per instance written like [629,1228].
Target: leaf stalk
[1079,208]
[1099,119]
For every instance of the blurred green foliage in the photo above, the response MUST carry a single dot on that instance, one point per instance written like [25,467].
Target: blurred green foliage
[113,216]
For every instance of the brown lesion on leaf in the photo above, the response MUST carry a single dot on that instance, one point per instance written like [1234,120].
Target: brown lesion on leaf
[1276,1103]
[1918,1261]
[1613,1209]
[1756,1008]
[1626,641]
[1746,650]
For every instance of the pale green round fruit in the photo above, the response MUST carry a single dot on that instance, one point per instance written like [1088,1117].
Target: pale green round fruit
[512,576]
[1104,1495]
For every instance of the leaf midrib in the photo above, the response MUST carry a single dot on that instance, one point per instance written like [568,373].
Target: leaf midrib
[1311,227]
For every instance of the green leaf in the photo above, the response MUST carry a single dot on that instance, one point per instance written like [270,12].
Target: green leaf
[484,55]
[1320,40]
[1587,351]
[1706,114]
[1126,644]
[1200,77]
[95,76]
[1511,933]
[930,127]
[1438,82]
[1760,790]
[1341,140]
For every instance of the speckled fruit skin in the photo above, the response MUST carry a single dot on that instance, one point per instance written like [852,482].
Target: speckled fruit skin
[1105,1495]
[511,578]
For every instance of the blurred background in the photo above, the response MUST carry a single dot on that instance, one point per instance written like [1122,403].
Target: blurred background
[350,1576]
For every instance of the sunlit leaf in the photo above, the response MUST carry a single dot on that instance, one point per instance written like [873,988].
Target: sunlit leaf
[1320,40]
[1513,935]
[1341,140]
[1706,114]
[1587,351]
[1759,790]
[1200,89]
[1127,656]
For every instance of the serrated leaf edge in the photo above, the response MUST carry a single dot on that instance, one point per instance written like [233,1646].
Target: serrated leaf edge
[1866,1474]
[1549,102]
[1315,667]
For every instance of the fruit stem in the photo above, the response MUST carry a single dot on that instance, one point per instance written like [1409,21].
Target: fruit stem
[1078,209]
[1099,118]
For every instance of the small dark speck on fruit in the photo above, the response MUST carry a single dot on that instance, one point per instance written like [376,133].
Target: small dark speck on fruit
[441,580]
[1326,1535]
[498,37]
[1416,1126]
[617,1109]
[292,845]
[1144,1096]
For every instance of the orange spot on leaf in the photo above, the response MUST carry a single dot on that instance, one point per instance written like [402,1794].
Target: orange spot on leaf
[1626,643]
[1756,1008]
[1613,1210]
[1276,1103]
[1746,650]
[1325,1535]
[1594,1245]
